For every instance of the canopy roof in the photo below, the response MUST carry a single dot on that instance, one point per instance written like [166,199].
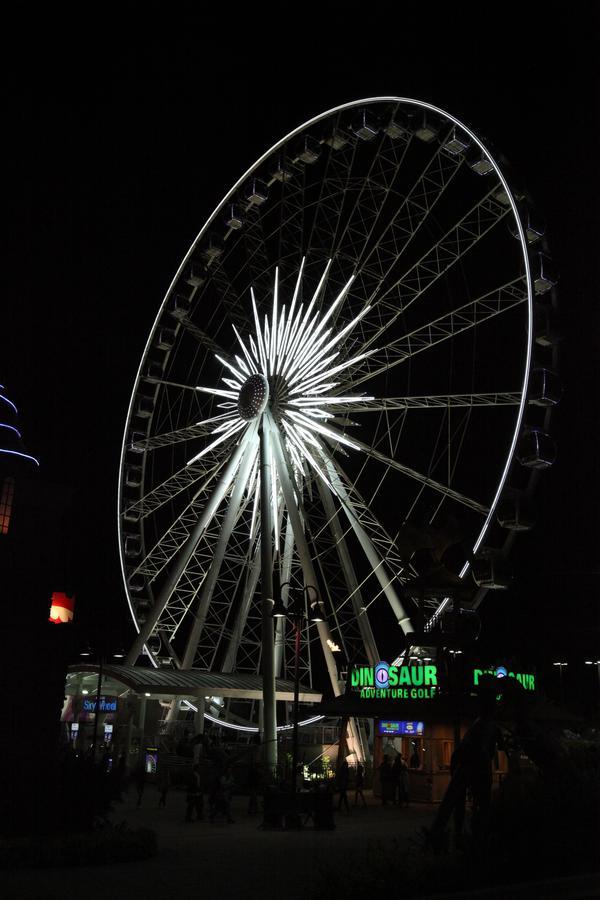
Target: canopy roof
[183,683]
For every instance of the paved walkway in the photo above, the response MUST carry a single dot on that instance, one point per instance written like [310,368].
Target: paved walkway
[220,860]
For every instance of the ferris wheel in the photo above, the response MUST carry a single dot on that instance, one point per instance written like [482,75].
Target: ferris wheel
[359,347]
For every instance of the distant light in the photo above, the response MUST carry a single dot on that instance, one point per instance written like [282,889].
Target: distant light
[332,645]
[85,692]
[146,695]
[560,664]
[119,654]
[592,662]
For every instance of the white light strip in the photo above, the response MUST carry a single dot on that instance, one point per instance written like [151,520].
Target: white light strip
[231,368]
[239,425]
[328,401]
[218,392]
[242,365]
[273,347]
[245,351]
[249,728]
[308,384]
[259,337]
[232,418]
[234,385]
[315,426]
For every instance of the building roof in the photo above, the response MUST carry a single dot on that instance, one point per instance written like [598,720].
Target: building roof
[191,682]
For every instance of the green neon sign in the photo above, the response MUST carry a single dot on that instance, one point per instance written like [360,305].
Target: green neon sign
[526,679]
[385,682]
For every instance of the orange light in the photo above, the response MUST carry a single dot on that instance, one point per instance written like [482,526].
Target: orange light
[61,608]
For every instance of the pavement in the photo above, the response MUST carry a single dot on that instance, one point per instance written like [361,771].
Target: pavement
[222,860]
[241,860]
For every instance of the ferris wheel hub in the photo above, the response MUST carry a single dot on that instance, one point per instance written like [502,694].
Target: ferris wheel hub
[253,397]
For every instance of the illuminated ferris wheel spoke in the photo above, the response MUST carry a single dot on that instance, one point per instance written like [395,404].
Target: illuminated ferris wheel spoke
[438,260]
[438,401]
[464,318]
[415,209]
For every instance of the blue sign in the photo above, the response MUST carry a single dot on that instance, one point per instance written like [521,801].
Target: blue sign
[397,728]
[107,704]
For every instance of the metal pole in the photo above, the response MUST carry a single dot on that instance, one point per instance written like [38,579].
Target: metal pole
[269,732]
[97,712]
[298,629]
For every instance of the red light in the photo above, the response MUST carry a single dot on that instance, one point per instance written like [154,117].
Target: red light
[61,608]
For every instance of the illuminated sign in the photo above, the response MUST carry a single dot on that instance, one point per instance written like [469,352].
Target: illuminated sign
[386,727]
[385,682]
[61,608]
[107,704]
[526,679]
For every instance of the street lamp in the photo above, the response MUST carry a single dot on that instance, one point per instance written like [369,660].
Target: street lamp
[295,612]
[595,662]
[561,666]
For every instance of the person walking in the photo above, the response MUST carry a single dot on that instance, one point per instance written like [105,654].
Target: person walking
[221,790]
[140,782]
[194,797]
[253,784]
[396,781]
[471,767]
[387,780]
[343,779]
[359,783]
[403,783]
[163,784]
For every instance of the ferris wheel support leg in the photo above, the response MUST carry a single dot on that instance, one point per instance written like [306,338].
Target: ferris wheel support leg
[269,707]
[283,471]
[379,569]
[242,616]
[303,550]
[349,573]
[186,552]
[212,575]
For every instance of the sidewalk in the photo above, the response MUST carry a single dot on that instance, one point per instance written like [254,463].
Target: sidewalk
[238,860]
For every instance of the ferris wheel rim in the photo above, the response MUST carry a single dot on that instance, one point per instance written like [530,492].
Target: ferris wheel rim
[254,167]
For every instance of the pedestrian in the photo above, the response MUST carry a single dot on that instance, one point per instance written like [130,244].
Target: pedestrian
[396,773]
[194,796]
[387,780]
[227,785]
[471,767]
[163,784]
[140,782]
[253,783]
[359,783]
[343,779]
[221,790]
[403,783]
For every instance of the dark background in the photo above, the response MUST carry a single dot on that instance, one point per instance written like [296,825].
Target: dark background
[123,132]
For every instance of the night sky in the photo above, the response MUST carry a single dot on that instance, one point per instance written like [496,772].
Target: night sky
[116,150]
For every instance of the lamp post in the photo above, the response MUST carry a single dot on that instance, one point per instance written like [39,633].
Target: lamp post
[295,612]
[595,662]
[561,666]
